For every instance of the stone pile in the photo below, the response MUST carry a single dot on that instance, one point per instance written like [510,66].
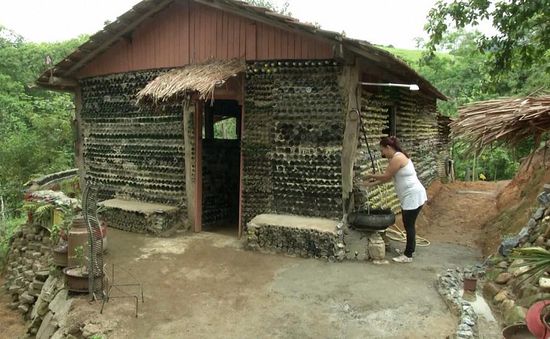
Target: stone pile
[449,285]
[510,293]
[27,267]
[49,313]
[362,246]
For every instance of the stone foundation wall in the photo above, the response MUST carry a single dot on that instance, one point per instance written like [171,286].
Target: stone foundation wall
[307,239]
[154,223]
[294,241]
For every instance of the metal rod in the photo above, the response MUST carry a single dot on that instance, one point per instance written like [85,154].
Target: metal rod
[412,87]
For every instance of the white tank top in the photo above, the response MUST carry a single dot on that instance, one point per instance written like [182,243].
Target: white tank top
[409,189]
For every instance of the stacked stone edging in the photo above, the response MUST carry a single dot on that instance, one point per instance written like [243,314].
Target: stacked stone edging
[449,285]
[27,267]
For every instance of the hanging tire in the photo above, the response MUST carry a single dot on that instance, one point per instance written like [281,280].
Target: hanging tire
[377,220]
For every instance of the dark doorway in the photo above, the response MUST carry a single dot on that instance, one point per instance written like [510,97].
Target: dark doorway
[221,165]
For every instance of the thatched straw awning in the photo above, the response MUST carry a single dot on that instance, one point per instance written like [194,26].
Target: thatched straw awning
[202,78]
[508,120]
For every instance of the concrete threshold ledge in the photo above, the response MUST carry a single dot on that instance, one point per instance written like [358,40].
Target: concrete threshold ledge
[138,206]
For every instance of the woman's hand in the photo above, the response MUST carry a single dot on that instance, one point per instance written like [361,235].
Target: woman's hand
[370,182]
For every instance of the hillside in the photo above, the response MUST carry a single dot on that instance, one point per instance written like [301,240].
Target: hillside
[411,56]
[515,202]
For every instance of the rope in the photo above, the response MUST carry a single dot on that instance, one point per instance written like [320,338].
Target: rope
[397,234]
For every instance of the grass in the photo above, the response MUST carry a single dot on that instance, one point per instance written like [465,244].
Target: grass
[7,229]
[411,56]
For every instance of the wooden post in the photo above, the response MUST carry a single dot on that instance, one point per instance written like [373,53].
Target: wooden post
[188,112]
[350,83]
[199,106]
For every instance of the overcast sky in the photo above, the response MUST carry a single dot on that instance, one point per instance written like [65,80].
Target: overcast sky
[395,22]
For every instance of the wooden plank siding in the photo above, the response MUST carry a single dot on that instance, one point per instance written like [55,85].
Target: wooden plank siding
[186,32]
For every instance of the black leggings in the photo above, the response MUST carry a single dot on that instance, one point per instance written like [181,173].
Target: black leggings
[409,219]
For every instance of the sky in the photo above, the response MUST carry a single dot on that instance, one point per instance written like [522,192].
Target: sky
[382,22]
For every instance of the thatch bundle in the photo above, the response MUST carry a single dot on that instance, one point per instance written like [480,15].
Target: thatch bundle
[202,78]
[508,120]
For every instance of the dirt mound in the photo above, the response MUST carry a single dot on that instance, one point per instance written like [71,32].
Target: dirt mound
[515,202]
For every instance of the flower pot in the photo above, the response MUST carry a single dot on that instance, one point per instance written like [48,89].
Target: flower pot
[535,319]
[516,331]
[76,280]
[470,284]
[60,257]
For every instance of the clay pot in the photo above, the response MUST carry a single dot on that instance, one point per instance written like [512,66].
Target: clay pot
[470,284]
[76,280]
[60,257]
[516,331]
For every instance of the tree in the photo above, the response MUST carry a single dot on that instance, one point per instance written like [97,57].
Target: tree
[269,4]
[523,38]
[35,124]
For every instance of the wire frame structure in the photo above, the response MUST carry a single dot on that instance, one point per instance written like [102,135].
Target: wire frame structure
[95,244]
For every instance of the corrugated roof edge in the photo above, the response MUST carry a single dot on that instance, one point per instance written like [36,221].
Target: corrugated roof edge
[58,77]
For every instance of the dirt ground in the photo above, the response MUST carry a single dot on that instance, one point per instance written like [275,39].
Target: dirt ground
[11,322]
[207,286]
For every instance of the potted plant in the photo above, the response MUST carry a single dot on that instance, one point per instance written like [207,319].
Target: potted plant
[536,260]
[60,246]
[59,236]
[76,277]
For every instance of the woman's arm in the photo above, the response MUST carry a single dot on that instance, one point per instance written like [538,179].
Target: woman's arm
[393,167]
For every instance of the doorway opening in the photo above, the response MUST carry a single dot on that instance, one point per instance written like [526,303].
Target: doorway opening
[221,167]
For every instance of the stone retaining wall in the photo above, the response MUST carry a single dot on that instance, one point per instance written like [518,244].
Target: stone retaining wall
[509,295]
[27,267]
[37,287]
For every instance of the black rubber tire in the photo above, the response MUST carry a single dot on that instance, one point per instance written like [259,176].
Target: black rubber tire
[377,220]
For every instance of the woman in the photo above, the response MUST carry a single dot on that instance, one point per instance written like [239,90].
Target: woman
[411,193]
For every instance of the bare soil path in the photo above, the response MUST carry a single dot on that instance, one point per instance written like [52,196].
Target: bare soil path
[458,212]
[12,324]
